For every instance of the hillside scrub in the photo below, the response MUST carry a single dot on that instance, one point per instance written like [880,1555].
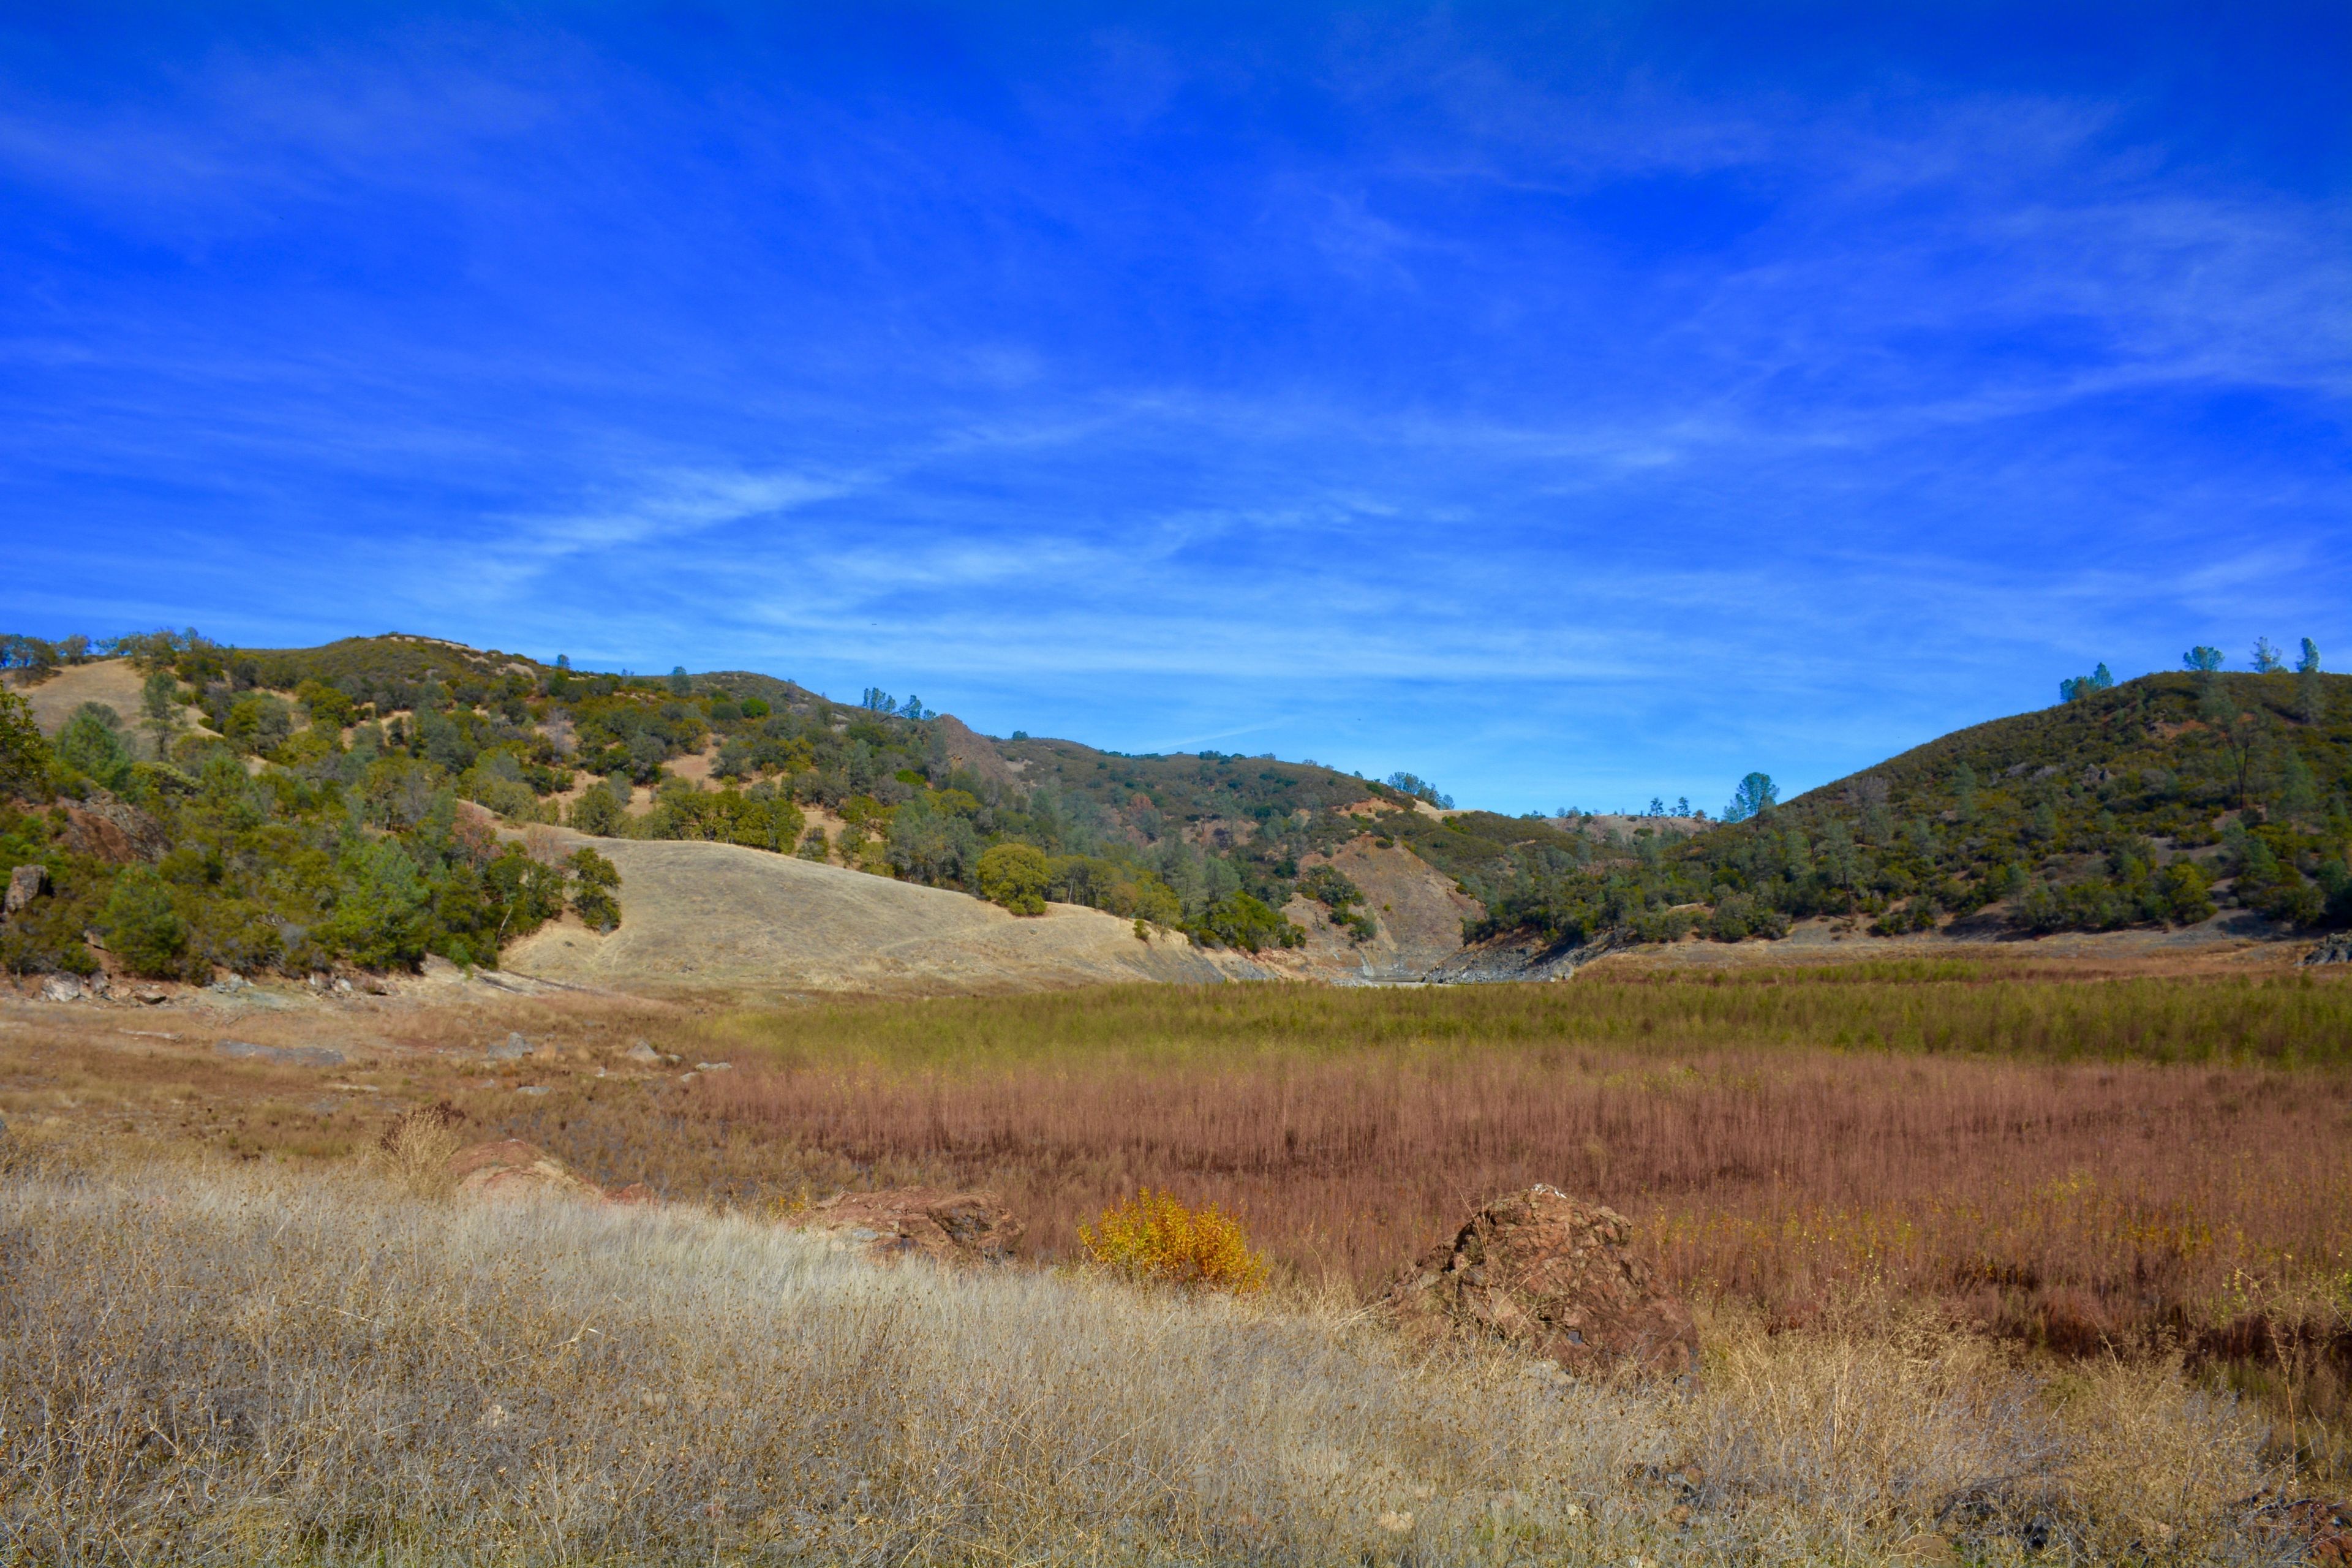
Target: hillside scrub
[1208,844]
[2148,803]
[197,1365]
[2154,802]
[282,872]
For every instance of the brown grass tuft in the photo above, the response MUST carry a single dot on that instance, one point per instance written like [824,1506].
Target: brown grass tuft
[417,1146]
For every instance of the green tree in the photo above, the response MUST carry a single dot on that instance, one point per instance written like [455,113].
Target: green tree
[1757,794]
[2298,787]
[1419,788]
[1016,875]
[2237,734]
[596,881]
[680,683]
[159,699]
[379,920]
[597,812]
[2265,658]
[91,744]
[158,696]
[2201,658]
[2310,690]
[2076,687]
[143,927]
[24,754]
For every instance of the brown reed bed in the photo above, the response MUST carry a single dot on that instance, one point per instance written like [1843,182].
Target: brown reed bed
[2105,1180]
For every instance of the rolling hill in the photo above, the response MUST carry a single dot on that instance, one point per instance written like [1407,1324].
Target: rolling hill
[309,801]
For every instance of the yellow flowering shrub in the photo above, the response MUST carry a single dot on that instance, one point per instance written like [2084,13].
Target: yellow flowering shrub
[1153,1237]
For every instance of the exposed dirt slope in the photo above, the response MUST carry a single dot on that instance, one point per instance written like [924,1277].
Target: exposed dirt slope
[720,917]
[1414,906]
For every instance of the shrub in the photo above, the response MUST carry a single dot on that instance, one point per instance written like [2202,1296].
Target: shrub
[597,812]
[143,927]
[2187,893]
[1240,920]
[382,918]
[91,744]
[1016,875]
[1153,1237]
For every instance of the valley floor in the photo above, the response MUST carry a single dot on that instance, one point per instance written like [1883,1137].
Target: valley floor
[2016,1252]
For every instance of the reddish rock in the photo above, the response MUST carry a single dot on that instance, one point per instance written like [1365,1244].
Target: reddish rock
[109,829]
[1557,1277]
[2326,1529]
[510,1169]
[925,1222]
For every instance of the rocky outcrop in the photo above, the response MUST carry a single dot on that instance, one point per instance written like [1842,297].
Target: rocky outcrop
[974,753]
[25,883]
[2336,949]
[1557,1277]
[918,1222]
[111,830]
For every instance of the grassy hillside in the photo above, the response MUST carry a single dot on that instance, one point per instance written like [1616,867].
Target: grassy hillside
[2150,802]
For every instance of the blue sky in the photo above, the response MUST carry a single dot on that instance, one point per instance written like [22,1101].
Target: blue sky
[1567,404]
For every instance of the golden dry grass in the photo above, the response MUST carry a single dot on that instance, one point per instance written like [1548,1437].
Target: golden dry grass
[210,1366]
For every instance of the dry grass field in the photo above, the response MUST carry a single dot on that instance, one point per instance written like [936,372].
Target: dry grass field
[246,1366]
[2093,1226]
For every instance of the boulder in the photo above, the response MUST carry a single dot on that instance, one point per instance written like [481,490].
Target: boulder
[643,1053]
[62,988]
[2336,949]
[25,883]
[1557,1277]
[513,1048]
[918,1222]
[510,1169]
